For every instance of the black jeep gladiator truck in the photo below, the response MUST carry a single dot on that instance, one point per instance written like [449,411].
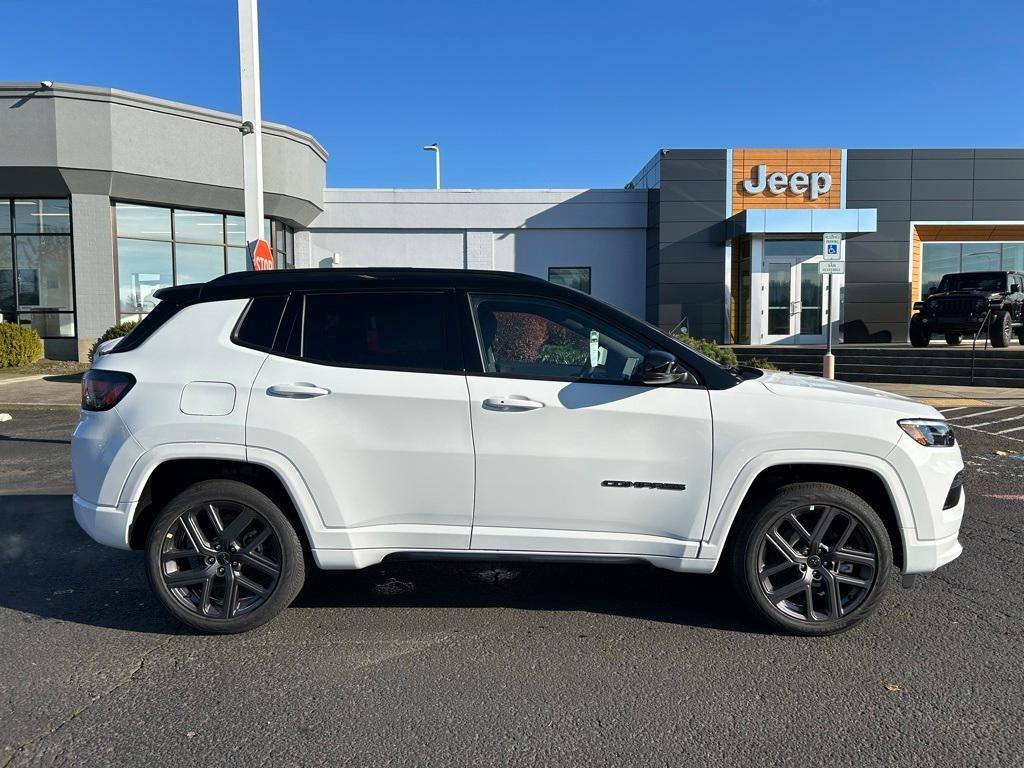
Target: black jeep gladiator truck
[968,302]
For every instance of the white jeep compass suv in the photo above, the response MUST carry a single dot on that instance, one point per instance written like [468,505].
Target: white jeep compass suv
[266,420]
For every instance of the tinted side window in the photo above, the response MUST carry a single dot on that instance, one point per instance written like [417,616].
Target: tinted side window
[522,336]
[259,323]
[380,330]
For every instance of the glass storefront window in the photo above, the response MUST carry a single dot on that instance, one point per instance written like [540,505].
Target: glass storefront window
[44,272]
[143,221]
[938,259]
[198,227]
[36,288]
[7,303]
[234,227]
[163,246]
[142,267]
[238,259]
[1013,256]
[979,257]
[197,263]
[42,216]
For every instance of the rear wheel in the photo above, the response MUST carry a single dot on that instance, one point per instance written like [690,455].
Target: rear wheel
[814,561]
[222,557]
[919,337]
[1000,329]
[952,339]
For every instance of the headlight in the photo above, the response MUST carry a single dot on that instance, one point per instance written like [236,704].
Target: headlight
[980,303]
[933,304]
[931,432]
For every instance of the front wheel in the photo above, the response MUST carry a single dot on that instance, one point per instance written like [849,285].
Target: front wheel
[1000,329]
[919,337]
[222,557]
[814,561]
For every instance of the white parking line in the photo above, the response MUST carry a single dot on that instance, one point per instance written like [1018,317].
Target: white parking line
[986,413]
[950,410]
[1015,429]
[997,421]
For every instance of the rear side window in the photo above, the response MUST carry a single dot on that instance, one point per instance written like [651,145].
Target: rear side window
[258,326]
[405,331]
[162,312]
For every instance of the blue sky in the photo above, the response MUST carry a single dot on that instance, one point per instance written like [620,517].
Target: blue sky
[555,93]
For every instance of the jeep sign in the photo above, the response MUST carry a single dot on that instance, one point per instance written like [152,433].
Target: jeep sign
[800,183]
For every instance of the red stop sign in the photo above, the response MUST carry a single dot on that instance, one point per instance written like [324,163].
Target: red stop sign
[261,255]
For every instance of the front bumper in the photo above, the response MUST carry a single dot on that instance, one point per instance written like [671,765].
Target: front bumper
[927,555]
[105,525]
[961,325]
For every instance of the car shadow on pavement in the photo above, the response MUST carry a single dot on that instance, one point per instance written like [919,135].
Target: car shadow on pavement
[49,568]
[637,591]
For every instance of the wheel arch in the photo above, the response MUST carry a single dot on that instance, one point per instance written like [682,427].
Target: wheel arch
[869,477]
[162,478]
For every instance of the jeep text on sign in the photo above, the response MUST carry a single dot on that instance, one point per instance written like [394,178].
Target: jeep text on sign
[812,184]
[786,180]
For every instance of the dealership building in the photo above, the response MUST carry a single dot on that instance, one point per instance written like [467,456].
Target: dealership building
[106,196]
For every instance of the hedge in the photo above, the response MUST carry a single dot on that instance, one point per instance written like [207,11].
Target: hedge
[113,332]
[709,348]
[19,345]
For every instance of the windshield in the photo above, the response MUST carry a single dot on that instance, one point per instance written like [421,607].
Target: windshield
[974,281]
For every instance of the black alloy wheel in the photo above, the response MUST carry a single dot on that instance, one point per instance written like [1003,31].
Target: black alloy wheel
[815,560]
[222,557]
[1000,329]
[919,336]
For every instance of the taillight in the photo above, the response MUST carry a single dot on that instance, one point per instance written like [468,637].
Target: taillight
[102,390]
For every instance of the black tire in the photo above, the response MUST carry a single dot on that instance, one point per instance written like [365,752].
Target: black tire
[1000,329]
[1020,334]
[953,339]
[263,559]
[757,562]
[919,337]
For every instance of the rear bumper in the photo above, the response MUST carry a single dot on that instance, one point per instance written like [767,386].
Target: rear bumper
[105,525]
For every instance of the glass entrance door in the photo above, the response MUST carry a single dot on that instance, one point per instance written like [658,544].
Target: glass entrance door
[795,291]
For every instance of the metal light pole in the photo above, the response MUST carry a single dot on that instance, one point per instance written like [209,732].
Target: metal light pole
[251,128]
[437,161]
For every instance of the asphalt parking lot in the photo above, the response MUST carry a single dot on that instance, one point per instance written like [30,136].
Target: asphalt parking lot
[488,664]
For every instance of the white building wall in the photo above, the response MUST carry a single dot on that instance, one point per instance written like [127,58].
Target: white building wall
[519,230]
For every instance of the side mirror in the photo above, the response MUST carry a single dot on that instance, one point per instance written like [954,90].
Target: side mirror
[918,306]
[662,368]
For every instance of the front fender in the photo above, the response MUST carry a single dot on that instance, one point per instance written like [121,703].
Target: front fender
[721,518]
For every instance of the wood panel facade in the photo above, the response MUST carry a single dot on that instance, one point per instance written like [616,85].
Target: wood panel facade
[789,161]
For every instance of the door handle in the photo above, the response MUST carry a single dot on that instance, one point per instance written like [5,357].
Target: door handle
[511,403]
[299,391]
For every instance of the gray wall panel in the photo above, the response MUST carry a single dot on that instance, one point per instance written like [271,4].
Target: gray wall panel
[998,210]
[942,189]
[999,189]
[858,169]
[961,168]
[878,189]
[941,210]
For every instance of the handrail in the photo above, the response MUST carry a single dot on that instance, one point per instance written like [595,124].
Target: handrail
[974,341]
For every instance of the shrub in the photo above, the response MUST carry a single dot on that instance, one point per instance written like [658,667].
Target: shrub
[18,345]
[763,363]
[519,337]
[709,348]
[113,332]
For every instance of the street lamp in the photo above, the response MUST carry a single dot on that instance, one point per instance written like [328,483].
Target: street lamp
[437,163]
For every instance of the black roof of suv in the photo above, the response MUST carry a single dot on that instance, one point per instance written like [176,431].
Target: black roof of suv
[246,285]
